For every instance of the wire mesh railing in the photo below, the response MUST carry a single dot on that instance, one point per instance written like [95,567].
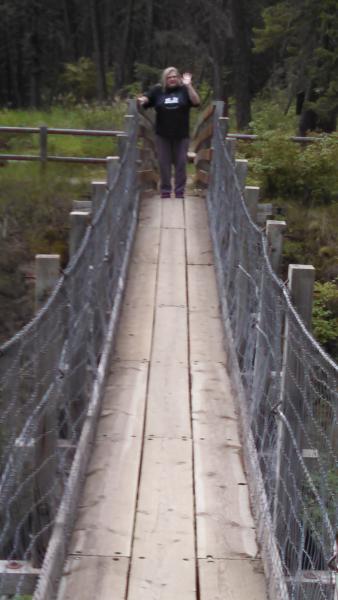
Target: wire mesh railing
[51,380]
[287,389]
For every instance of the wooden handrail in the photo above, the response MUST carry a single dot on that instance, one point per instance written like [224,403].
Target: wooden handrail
[74,159]
[61,131]
[45,131]
[253,137]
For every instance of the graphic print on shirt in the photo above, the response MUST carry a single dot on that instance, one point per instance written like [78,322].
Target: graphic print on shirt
[171,101]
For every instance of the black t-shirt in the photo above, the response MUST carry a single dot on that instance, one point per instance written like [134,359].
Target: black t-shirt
[172,111]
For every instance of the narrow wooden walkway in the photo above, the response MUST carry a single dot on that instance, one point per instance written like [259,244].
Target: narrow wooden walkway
[165,512]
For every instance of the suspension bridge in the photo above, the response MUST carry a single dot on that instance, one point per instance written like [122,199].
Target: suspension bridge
[168,422]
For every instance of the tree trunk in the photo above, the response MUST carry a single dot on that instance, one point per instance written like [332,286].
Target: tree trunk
[242,62]
[68,34]
[148,37]
[14,95]
[123,58]
[101,84]
[218,40]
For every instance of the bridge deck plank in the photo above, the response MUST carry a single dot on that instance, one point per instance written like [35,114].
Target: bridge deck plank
[150,215]
[136,319]
[199,248]
[105,516]
[163,561]
[172,213]
[94,577]
[231,579]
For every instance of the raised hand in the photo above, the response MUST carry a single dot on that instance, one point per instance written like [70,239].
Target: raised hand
[186,78]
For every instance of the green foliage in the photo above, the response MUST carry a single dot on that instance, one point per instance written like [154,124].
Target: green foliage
[286,169]
[205,92]
[132,90]
[325,315]
[302,181]
[146,75]
[78,81]
[269,113]
[277,20]
[313,513]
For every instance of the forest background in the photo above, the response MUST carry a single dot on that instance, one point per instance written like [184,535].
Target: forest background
[68,63]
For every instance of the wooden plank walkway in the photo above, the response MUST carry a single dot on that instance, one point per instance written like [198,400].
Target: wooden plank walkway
[165,512]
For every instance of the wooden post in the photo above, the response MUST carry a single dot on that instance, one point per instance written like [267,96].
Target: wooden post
[128,123]
[241,167]
[113,164]
[79,220]
[122,139]
[300,282]
[274,234]
[43,144]
[17,572]
[251,195]
[46,436]
[230,144]
[132,106]
[99,188]
[264,211]
[82,205]
[224,125]
[47,273]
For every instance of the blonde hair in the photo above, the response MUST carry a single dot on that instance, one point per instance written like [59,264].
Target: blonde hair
[165,74]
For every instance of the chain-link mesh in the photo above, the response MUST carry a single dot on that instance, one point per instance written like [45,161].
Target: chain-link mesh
[49,373]
[287,388]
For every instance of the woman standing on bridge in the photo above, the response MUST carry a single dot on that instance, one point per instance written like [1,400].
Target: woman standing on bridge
[172,100]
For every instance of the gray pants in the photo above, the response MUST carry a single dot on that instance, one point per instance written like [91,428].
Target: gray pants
[172,152]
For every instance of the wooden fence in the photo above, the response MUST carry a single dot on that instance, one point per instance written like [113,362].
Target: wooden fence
[44,132]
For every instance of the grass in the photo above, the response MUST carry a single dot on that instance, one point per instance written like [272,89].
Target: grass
[63,145]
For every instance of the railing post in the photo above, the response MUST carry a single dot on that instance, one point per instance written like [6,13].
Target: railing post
[82,205]
[300,283]
[128,123]
[47,272]
[274,234]
[122,139]
[219,108]
[99,189]
[251,195]
[113,164]
[301,280]
[46,432]
[43,145]
[241,168]
[132,106]
[79,220]
[224,125]
[230,144]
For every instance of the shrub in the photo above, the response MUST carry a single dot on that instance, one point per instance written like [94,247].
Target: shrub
[325,316]
[284,168]
[78,81]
